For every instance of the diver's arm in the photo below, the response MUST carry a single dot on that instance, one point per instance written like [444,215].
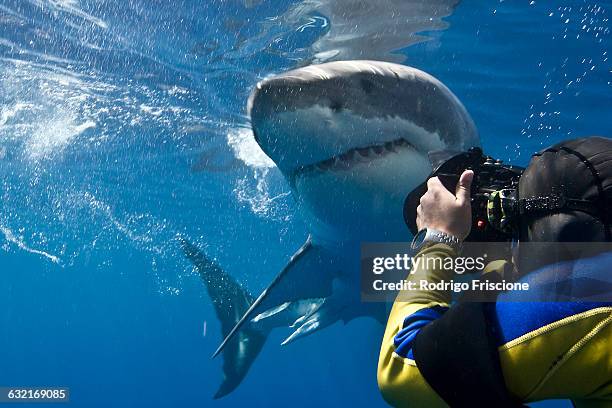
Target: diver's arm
[428,267]
[398,377]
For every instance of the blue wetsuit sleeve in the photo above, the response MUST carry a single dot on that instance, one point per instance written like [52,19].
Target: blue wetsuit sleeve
[404,339]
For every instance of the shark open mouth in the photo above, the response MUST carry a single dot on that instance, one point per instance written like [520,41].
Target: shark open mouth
[356,155]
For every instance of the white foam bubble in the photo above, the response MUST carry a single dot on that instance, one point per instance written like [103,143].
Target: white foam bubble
[54,136]
[254,190]
[151,110]
[258,196]
[71,7]
[7,113]
[16,240]
[246,149]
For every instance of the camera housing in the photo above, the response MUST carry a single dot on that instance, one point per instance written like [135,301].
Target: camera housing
[491,176]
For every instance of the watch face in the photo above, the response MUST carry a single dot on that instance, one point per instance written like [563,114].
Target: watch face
[418,239]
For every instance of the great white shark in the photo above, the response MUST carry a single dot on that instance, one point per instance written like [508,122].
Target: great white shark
[352,139]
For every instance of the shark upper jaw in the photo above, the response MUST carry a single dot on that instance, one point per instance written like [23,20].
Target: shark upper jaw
[317,138]
[354,156]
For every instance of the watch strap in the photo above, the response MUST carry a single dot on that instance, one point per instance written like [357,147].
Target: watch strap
[430,236]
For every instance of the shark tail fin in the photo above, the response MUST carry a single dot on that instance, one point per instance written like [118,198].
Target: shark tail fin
[304,281]
[231,301]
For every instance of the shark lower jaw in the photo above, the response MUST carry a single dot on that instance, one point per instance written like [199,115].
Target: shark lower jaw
[361,201]
[357,156]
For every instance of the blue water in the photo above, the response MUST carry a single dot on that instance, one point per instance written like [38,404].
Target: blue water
[122,125]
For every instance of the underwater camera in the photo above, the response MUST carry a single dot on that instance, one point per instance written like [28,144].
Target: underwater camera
[492,188]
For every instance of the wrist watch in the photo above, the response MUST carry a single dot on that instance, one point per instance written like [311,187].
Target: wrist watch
[430,236]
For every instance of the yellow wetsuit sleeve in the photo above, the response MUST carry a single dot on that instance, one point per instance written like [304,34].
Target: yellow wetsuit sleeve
[399,379]
[570,358]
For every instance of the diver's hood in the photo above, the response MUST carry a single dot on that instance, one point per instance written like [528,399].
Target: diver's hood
[578,171]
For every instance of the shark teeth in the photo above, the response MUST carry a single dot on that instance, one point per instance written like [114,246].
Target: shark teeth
[358,155]
[363,152]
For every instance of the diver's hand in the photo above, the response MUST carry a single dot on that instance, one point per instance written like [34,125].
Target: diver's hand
[441,210]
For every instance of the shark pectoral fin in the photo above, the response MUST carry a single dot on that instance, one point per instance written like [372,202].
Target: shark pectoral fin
[230,301]
[333,308]
[344,304]
[306,276]
[271,312]
[307,323]
[309,326]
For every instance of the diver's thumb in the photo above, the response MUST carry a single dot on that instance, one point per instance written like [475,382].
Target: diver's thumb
[464,186]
